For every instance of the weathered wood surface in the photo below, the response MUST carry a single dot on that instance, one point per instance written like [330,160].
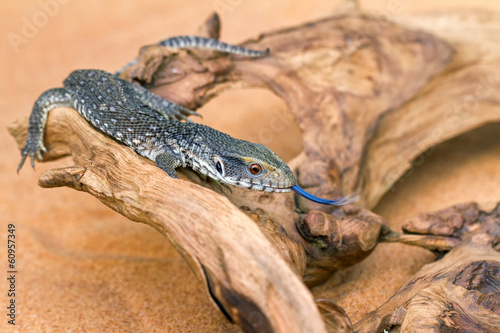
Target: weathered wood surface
[244,272]
[369,95]
[458,293]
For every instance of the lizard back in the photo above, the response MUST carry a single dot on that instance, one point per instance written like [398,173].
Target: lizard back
[112,106]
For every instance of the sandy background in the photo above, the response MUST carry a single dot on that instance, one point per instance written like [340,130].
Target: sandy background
[83,267]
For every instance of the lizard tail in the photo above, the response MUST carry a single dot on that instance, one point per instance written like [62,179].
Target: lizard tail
[337,202]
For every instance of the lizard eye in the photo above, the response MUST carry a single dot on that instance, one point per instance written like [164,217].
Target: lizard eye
[255,169]
[218,166]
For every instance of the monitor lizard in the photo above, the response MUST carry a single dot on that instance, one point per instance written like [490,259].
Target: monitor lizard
[153,127]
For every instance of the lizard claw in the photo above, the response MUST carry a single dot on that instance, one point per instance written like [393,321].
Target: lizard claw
[25,154]
[180,116]
[31,149]
[23,159]
[32,157]
[170,110]
[184,113]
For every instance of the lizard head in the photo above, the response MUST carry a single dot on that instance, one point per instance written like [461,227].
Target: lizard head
[252,166]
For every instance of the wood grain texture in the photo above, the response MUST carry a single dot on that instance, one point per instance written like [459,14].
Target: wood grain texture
[245,274]
[460,292]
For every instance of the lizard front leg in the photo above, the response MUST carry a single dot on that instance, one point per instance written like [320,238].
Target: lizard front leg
[49,100]
[167,163]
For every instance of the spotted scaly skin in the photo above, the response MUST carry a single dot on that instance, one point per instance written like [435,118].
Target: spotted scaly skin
[150,126]
[184,42]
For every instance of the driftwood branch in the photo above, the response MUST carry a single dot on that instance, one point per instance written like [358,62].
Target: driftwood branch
[460,292]
[369,95]
[339,80]
[244,272]
[443,230]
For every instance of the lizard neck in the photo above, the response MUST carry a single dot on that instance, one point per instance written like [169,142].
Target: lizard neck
[198,151]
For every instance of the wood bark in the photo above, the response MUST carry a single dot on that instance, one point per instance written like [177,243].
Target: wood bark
[370,96]
[244,273]
[460,292]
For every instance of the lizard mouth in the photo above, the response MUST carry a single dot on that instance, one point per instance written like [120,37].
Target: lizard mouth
[249,185]
[264,188]
[261,187]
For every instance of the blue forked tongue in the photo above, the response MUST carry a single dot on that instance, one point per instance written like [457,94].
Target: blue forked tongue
[337,202]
